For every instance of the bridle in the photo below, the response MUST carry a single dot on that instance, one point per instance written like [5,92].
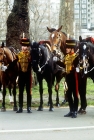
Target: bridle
[57,51]
[40,57]
[83,64]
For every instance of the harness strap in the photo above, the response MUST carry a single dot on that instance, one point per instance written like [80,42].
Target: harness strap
[48,57]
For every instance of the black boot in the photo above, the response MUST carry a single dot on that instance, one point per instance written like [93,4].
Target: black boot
[20,110]
[29,110]
[74,115]
[68,115]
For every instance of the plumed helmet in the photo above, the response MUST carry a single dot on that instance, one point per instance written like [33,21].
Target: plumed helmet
[70,43]
[25,42]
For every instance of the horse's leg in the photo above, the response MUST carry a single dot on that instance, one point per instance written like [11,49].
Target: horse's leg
[40,108]
[10,94]
[50,95]
[82,92]
[14,96]
[57,94]
[59,76]
[0,91]
[3,102]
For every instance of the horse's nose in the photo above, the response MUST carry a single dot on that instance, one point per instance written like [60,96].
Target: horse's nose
[54,51]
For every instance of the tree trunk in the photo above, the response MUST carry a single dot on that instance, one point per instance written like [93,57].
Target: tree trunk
[17,23]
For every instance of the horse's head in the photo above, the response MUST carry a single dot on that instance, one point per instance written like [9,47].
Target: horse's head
[40,56]
[54,38]
[57,42]
[36,55]
[83,56]
[6,58]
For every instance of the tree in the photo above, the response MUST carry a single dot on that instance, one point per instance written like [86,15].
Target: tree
[66,16]
[17,23]
[39,19]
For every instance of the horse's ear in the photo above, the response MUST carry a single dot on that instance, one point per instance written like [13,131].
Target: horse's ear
[80,38]
[59,28]
[2,45]
[51,29]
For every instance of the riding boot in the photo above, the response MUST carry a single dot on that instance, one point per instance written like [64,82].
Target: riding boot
[20,110]
[69,114]
[74,114]
[29,110]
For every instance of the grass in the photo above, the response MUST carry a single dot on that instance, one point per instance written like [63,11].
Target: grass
[36,96]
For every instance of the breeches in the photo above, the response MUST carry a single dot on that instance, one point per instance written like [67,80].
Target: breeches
[25,82]
[72,92]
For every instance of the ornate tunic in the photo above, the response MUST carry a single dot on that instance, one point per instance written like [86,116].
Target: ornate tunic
[24,60]
[69,58]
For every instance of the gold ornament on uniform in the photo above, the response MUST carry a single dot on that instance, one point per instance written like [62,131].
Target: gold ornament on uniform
[69,62]
[24,58]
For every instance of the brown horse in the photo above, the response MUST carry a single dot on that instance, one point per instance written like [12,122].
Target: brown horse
[57,43]
[8,73]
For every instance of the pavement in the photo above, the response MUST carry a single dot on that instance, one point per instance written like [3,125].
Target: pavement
[38,124]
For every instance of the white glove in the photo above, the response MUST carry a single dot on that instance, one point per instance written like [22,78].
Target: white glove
[3,68]
[55,59]
[77,70]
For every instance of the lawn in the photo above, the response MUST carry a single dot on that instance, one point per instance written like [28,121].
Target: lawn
[89,95]
[36,96]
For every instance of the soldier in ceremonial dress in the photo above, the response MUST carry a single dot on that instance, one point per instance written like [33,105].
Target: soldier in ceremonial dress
[71,78]
[24,60]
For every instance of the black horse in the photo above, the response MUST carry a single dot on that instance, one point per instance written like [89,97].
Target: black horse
[43,66]
[85,68]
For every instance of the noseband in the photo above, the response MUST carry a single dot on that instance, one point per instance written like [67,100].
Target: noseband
[83,60]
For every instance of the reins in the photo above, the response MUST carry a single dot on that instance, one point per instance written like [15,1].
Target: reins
[48,57]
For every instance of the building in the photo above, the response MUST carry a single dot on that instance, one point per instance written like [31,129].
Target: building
[83,18]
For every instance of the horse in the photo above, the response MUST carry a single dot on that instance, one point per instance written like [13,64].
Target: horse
[57,41]
[86,61]
[8,73]
[42,64]
[58,47]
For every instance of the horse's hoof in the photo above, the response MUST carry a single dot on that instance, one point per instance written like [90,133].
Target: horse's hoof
[40,109]
[3,109]
[51,109]
[15,108]
[64,102]
[81,111]
[57,104]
